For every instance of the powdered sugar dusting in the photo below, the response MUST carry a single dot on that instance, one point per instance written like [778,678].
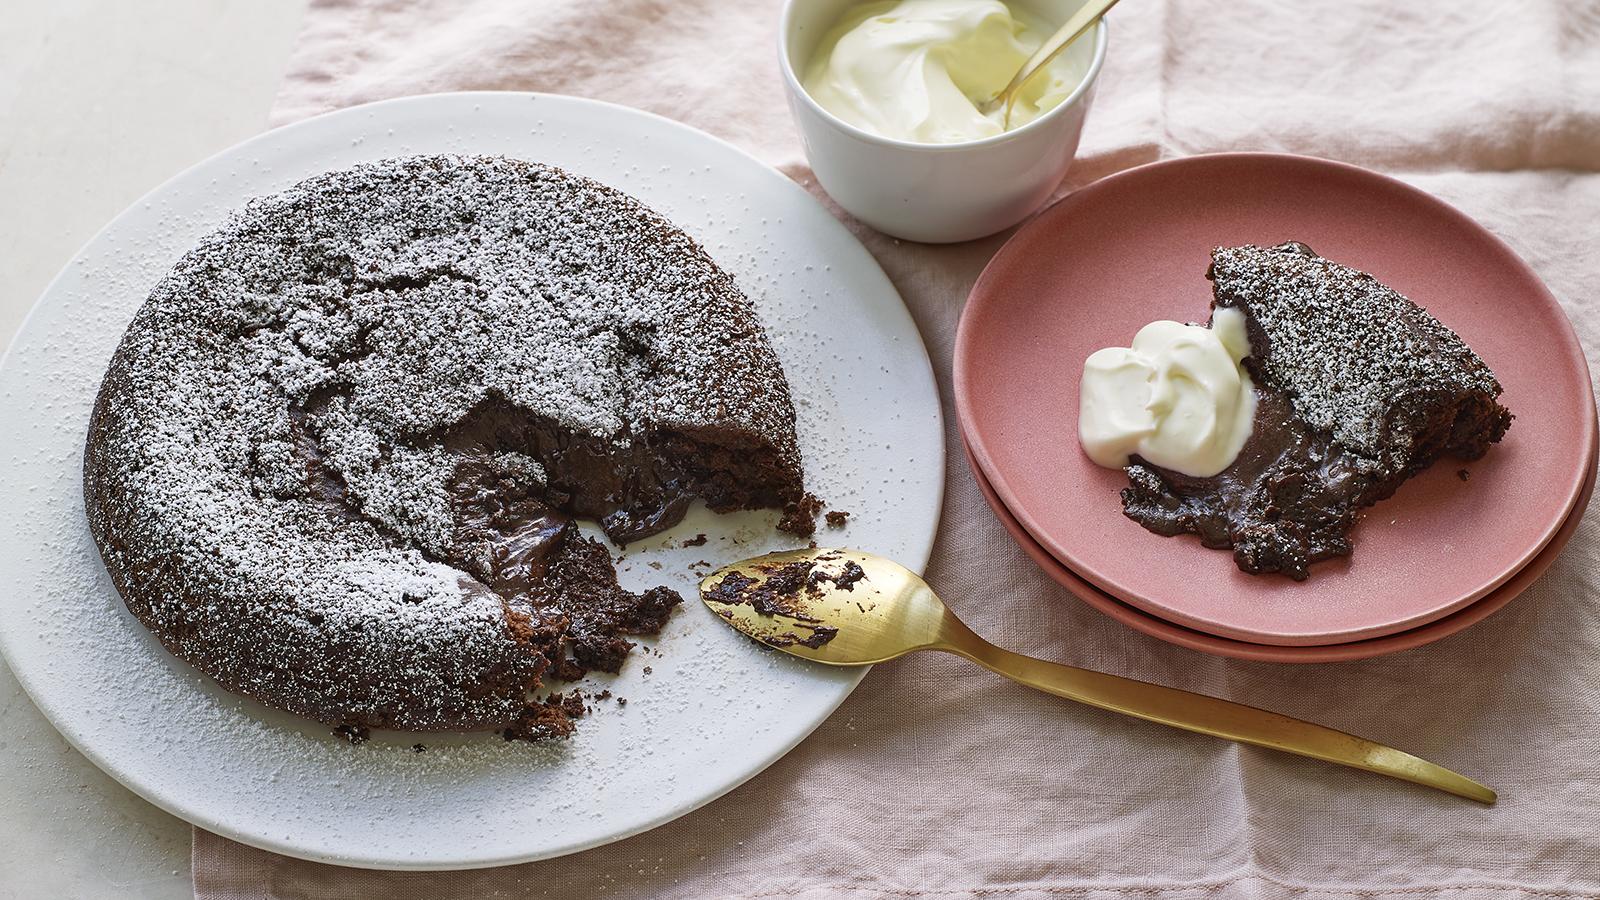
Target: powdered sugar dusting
[1346,347]
[351,317]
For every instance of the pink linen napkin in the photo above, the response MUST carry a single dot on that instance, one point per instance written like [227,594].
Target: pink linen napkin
[947,781]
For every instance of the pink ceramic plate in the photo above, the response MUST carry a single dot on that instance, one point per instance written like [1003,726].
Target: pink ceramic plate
[1220,646]
[1132,248]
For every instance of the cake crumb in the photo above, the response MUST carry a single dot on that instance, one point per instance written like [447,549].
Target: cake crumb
[844,581]
[355,734]
[837,518]
[800,517]
[698,540]
[419,748]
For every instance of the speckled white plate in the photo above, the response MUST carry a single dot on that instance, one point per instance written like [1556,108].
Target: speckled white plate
[715,708]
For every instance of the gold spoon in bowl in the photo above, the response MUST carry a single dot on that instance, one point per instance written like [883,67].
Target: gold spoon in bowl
[850,608]
[1072,29]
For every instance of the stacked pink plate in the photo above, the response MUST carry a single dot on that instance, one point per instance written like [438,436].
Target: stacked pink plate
[1452,546]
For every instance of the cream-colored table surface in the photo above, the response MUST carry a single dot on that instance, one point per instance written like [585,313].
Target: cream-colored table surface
[100,101]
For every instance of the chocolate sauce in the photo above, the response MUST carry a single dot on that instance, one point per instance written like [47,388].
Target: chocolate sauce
[782,593]
[1289,499]
[634,490]
[508,532]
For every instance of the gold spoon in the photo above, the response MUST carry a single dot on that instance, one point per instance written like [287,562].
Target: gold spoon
[850,608]
[1074,28]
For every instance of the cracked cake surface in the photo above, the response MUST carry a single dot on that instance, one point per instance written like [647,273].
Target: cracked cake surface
[1358,389]
[337,456]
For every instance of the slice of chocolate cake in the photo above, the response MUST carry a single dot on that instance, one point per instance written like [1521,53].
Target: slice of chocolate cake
[1358,389]
[337,457]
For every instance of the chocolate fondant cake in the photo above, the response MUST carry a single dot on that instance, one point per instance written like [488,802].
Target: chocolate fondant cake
[337,456]
[1358,389]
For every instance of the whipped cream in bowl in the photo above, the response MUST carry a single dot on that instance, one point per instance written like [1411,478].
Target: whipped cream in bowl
[887,95]
[918,70]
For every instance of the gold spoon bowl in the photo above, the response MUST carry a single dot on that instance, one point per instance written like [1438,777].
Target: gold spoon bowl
[850,608]
[1072,29]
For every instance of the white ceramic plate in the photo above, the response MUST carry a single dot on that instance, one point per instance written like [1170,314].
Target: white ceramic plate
[715,710]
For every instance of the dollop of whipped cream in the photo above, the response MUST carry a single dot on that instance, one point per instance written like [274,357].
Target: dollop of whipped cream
[1179,397]
[916,70]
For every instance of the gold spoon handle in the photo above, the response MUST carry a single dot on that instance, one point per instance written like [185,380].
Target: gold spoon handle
[1070,30]
[1213,716]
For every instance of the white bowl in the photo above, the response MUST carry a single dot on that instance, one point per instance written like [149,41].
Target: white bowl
[936,193]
